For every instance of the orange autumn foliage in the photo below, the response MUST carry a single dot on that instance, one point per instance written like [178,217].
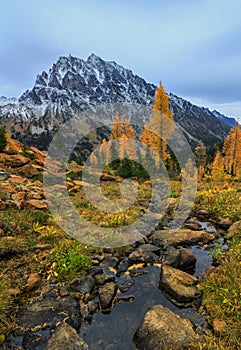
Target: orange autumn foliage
[158,130]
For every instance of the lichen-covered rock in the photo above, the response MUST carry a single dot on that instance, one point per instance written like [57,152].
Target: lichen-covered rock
[83,285]
[141,255]
[183,237]
[234,229]
[65,337]
[163,329]
[107,294]
[181,259]
[179,285]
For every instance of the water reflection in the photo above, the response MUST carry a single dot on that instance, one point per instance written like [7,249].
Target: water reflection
[115,330]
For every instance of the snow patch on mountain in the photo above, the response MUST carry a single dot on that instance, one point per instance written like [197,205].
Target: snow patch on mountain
[73,85]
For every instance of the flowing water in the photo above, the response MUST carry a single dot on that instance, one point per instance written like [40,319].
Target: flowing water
[115,331]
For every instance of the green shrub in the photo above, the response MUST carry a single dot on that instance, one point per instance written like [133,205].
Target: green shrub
[70,260]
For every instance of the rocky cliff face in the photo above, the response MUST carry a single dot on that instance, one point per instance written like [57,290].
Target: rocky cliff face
[73,85]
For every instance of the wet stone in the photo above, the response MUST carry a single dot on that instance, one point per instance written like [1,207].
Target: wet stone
[65,337]
[137,272]
[92,306]
[123,267]
[125,298]
[103,278]
[49,311]
[140,255]
[124,283]
[32,341]
[107,294]
[99,258]
[111,261]
[83,285]
[224,223]
[181,259]
[87,297]
[95,271]
[193,226]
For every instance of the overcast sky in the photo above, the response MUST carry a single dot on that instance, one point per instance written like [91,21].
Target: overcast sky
[193,46]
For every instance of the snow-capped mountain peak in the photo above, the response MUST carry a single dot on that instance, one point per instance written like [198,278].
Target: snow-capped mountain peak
[72,85]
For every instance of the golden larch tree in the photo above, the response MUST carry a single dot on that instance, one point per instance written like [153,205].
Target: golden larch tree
[201,158]
[157,129]
[232,151]
[218,167]
[104,151]
[123,131]
[93,159]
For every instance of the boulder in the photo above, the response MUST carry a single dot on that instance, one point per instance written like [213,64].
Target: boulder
[140,255]
[182,237]
[179,285]
[65,337]
[181,259]
[107,294]
[84,285]
[48,310]
[163,329]
[102,278]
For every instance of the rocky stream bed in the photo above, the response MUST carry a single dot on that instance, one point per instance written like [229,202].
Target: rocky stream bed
[143,298]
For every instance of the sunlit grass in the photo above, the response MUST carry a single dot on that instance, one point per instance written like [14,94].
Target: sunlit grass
[220,199]
[111,190]
[222,290]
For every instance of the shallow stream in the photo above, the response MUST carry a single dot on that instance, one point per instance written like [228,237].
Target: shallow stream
[115,330]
